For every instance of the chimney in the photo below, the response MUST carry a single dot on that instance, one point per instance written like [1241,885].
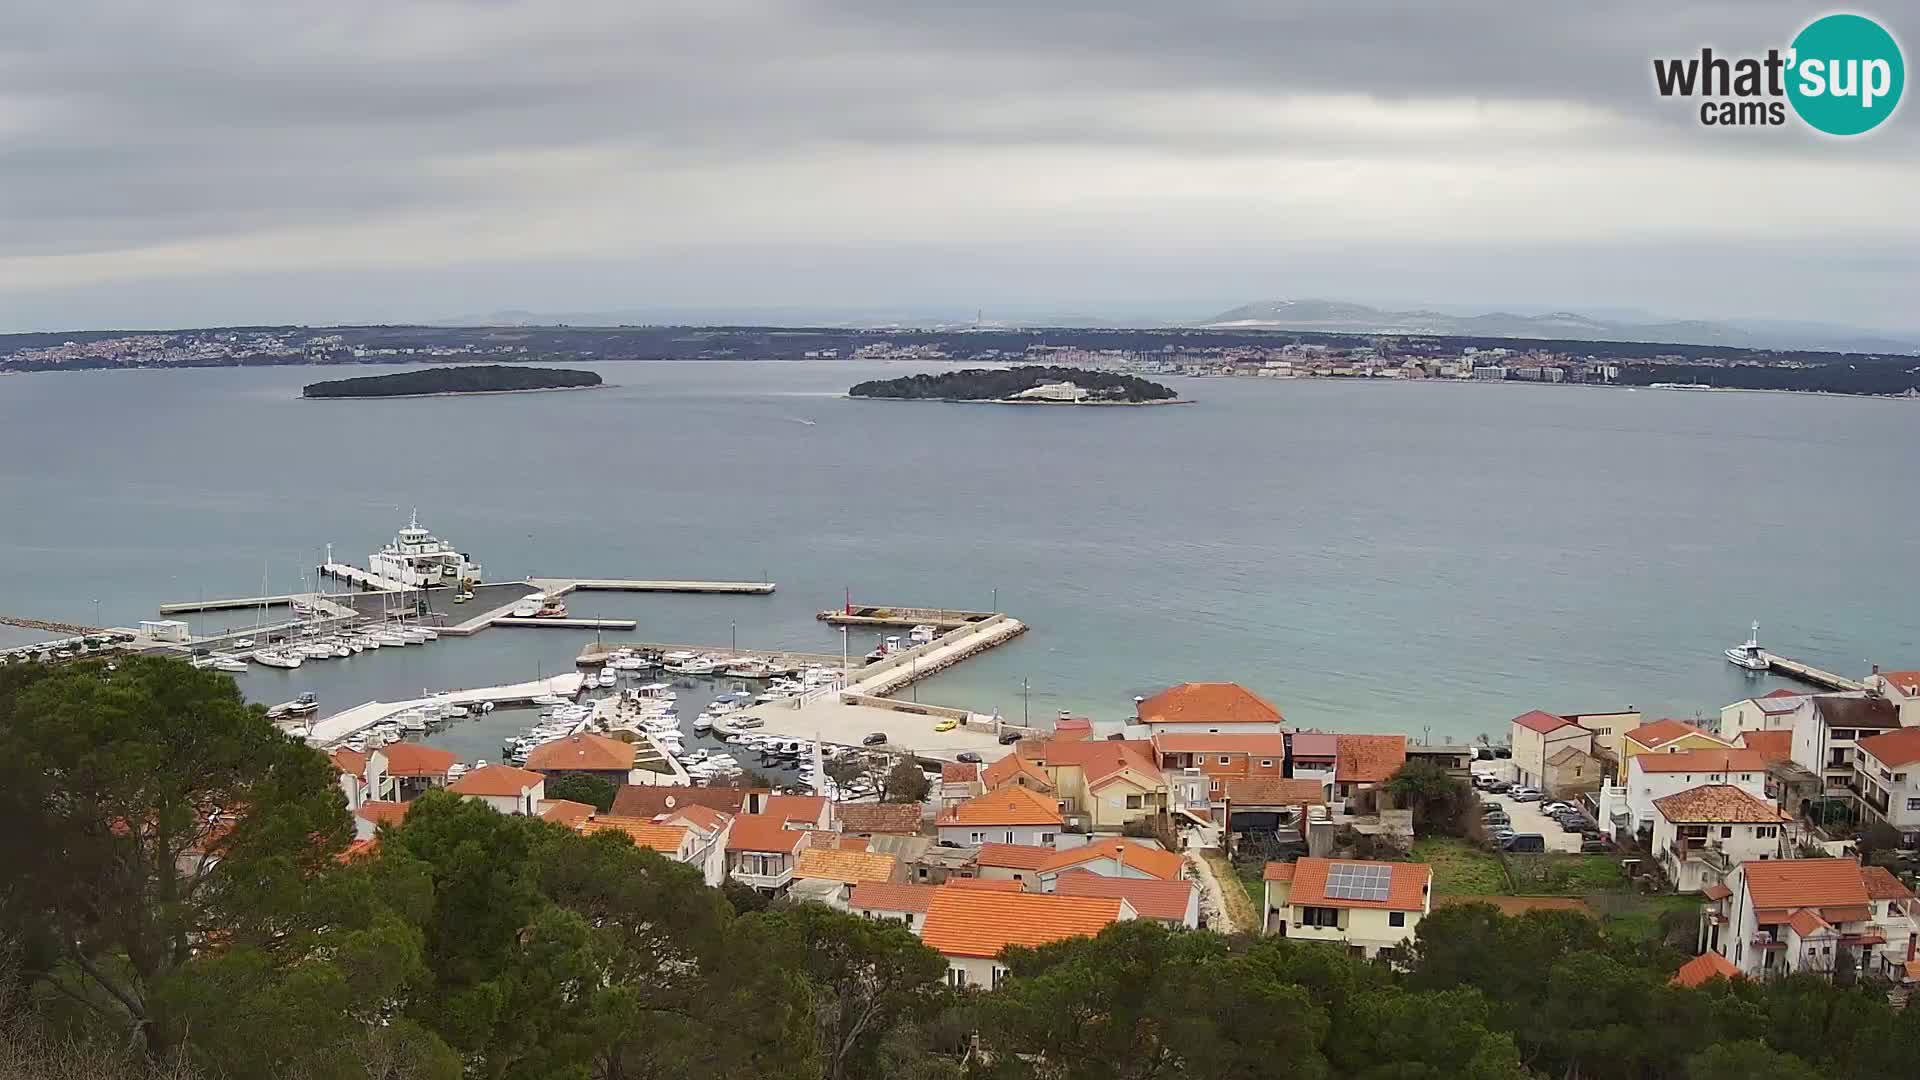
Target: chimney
[1876,669]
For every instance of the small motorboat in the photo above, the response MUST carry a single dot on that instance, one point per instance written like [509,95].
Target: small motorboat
[1750,655]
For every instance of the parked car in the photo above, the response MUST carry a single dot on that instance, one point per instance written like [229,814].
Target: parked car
[1594,847]
[1492,806]
[1497,819]
[1008,738]
[1499,786]
[1554,808]
[967,757]
[1502,751]
[1525,843]
[1501,834]
[877,738]
[1524,794]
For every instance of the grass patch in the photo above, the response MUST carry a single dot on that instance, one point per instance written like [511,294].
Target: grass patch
[1639,918]
[1459,868]
[1241,910]
[1253,879]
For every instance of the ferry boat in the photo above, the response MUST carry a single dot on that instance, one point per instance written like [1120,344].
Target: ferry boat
[1749,655]
[418,559]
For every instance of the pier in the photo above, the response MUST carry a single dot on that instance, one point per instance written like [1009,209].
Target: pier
[567,624]
[1807,673]
[51,627]
[883,615]
[344,724]
[563,586]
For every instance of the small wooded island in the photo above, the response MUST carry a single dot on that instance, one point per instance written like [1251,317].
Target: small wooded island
[1025,385]
[478,379]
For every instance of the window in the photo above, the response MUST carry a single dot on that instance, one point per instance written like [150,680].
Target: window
[1726,832]
[1046,839]
[1899,778]
[976,838]
[999,974]
[1766,832]
[1913,804]
[1009,836]
[1133,802]
[1266,763]
[1225,760]
[1320,916]
[956,978]
[1396,918]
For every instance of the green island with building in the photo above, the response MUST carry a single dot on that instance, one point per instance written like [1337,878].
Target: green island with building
[1031,384]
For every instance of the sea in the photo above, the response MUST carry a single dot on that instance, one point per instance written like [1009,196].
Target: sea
[1371,556]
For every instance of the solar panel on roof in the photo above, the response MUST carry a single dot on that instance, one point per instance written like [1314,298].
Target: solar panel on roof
[1359,882]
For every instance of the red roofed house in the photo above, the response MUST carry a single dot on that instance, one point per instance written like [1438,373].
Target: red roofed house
[801,811]
[1012,862]
[1216,708]
[373,813]
[1886,780]
[1121,858]
[1537,736]
[709,829]
[1702,968]
[1771,711]
[1630,809]
[362,774]
[1897,914]
[503,787]
[1314,755]
[761,851]
[959,781]
[1366,761]
[586,754]
[900,903]
[970,927]
[1072,727]
[1372,908]
[1795,915]
[413,769]
[1176,903]
[1006,815]
[1702,833]
[1105,784]
[1221,758]
[1900,687]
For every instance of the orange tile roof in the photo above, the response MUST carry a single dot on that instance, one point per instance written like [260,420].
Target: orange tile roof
[647,800]
[1701,761]
[959,772]
[849,867]
[1014,856]
[899,818]
[351,762]
[665,839]
[1908,682]
[1901,747]
[1156,861]
[1406,888]
[884,896]
[989,884]
[763,832]
[1773,746]
[854,843]
[1166,900]
[1721,804]
[1275,791]
[1202,742]
[566,811]
[1805,923]
[498,780]
[586,752]
[1795,883]
[1702,968]
[359,849]
[1208,703]
[383,813]
[1716,891]
[1073,727]
[1010,805]
[412,759]
[703,818]
[1011,767]
[805,808]
[978,923]
[1277,871]
[1882,885]
[1661,732]
[1364,759]
[1108,759]
[1542,722]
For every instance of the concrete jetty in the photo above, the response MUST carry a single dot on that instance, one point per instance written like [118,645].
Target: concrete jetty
[567,624]
[1807,673]
[563,586]
[341,725]
[887,615]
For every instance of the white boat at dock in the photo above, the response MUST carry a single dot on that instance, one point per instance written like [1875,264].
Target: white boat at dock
[277,658]
[1750,655]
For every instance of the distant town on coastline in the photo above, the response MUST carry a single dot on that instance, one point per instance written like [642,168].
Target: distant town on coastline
[1025,384]
[1258,352]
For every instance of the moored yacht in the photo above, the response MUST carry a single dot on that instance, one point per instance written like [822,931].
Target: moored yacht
[278,658]
[1750,655]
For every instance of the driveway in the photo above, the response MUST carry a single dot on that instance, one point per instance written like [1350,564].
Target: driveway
[1527,818]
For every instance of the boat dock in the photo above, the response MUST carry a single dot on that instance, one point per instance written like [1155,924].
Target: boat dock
[356,576]
[883,615]
[563,586]
[1807,673]
[566,624]
[344,724]
[804,659]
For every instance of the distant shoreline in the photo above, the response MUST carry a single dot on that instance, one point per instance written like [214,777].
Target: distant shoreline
[455,393]
[1023,401]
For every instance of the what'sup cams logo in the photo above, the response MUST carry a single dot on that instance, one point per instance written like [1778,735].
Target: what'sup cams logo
[1842,75]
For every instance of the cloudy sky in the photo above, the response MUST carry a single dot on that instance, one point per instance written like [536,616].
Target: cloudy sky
[228,161]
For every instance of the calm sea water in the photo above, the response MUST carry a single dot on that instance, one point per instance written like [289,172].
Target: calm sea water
[1372,557]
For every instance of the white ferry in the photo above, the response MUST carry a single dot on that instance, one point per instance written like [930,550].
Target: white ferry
[418,559]
[1750,655]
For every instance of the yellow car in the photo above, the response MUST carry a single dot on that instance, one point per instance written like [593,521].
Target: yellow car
[946,725]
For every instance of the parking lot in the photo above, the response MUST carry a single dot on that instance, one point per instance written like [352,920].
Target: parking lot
[1527,817]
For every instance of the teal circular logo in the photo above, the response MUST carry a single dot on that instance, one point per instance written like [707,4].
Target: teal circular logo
[1846,74]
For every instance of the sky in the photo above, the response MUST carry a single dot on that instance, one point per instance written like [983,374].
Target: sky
[253,161]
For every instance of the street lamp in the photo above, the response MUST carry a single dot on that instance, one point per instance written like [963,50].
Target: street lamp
[735,627]
[96,613]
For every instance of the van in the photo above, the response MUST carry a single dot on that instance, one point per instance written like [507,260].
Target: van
[1531,843]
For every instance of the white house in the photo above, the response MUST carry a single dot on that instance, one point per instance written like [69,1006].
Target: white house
[1006,815]
[1373,908]
[1629,808]
[1794,915]
[1176,903]
[970,927]
[1886,780]
[503,787]
[1772,711]
[761,851]
[1826,728]
[1900,687]
[1113,859]
[905,904]
[708,829]
[1208,707]
[1702,833]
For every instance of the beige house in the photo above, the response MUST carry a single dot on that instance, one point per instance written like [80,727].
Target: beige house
[1571,771]
[1607,727]
[1537,736]
[1102,784]
[1372,908]
[503,787]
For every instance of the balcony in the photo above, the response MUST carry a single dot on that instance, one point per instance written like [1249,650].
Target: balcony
[773,880]
[1703,850]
